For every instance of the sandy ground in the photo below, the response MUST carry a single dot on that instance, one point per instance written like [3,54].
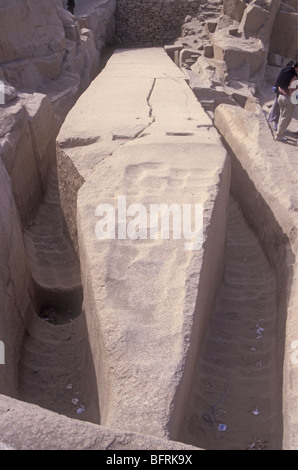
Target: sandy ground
[56,369]
[232,404]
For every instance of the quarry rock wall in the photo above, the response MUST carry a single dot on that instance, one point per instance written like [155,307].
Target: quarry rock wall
[48,59]
[42,41]
[151,22]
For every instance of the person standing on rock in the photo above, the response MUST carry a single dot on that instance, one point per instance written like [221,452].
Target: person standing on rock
[286,105]
[275,112]
[71,6]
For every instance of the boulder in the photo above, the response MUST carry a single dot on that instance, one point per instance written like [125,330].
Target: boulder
[253,18]
[234,8]
[258,20]
[30,30]
[49,43]
[284,36]
[7,92]
[242,58]
[32,42]
[208,82]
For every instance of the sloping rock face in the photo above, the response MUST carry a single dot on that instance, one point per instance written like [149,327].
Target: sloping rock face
[147,300]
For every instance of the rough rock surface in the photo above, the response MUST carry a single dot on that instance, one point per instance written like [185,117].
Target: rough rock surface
[236,42]
[29,122]
[51,431]
[135,143]
[57,44]
[136,312]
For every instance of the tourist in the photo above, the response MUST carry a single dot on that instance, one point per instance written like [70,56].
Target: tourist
[70,6]
[275,111]
[284,87]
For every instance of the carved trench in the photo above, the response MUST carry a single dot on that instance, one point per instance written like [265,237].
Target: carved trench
[56,369]
[235,398]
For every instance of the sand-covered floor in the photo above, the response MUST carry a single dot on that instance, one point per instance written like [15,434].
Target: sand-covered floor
[233,403]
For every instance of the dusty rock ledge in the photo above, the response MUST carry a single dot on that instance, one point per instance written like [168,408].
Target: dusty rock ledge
[51,431]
